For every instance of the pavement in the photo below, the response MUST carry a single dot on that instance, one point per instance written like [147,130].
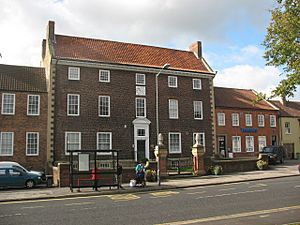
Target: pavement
[289,168]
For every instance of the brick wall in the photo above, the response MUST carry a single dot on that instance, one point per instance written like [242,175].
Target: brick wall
[228,130]
[121,90]
[20,123]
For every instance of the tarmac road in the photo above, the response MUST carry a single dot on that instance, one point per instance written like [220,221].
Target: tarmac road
[272,201]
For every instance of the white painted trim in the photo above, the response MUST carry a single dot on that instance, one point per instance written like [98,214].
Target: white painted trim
[28,106]
[2,105]
[108,76]
[196,88]
[12,141]
[66,141]
[169,143]
[201,109]
[177,109]
[176,82]
[108,106]
[135,68]
[110,142]
[141,124]
[145,107]
[69,73]
[246,143]
[78,114]
[239,144]
[38,144]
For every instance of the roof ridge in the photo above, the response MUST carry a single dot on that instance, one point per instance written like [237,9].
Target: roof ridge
[122,42]
[234,88]
[10,65]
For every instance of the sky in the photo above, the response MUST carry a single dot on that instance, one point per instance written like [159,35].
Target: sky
[231,31]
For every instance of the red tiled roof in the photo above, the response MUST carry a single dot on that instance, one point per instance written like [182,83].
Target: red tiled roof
[22,78]
[87,49]
[291,109]
[238,98]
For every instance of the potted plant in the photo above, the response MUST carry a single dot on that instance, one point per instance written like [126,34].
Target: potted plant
[262,164]
[151,175]
[217,170]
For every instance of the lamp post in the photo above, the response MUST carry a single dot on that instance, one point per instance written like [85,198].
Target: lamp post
[166,66]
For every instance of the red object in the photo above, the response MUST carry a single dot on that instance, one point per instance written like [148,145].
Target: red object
[95,176]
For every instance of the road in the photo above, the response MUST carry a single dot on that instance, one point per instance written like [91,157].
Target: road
[274,201]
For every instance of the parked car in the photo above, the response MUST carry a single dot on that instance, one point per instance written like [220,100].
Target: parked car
[12,174]
[275,153]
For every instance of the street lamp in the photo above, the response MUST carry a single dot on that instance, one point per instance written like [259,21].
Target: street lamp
[166,66]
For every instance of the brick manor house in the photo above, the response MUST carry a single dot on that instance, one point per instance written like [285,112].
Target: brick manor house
[102,95]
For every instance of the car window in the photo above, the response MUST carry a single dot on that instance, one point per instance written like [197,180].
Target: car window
[267,150]
[14,172]
[2,172]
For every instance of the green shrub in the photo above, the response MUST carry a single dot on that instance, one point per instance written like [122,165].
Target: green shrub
[217,170]
[262,164]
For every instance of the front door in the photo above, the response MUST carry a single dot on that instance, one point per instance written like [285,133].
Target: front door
[222,145]
[273,140]
[141,149]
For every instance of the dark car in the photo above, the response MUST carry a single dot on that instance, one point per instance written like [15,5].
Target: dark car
[275,153]
[12,174]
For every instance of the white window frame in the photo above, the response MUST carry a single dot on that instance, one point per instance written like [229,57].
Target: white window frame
[202,138]
[138,80]
[272,121]
[221,119]
[248,119]
[170,81]
[101,76]
[287,129]
[108,107]
[137,107]
[197,84]
[37,144]
[67,144]
[235,119]
[238,147]
[261,120]
[249,143]
[198,109]
[74,73]
[38,105]
[262,139]
[110,142]
[12,144]
[173,109]
[68,105]
[13,103]
[169,142]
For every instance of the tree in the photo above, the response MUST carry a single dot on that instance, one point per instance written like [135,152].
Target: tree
[282,44]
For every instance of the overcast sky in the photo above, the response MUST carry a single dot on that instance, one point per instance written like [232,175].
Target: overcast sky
[231,31]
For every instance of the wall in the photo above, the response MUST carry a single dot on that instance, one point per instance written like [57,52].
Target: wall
[20,123]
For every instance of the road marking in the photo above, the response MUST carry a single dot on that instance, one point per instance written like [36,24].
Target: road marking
[11,215]
[298,186]
[195,193]
[227,189]
[193,188]
[163,194]
[234,193]
[124,197]
[258,185]
[233,216]
[33,207]
[80,203]
[51,200]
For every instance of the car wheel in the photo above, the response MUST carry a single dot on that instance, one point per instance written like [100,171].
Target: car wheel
[29,184]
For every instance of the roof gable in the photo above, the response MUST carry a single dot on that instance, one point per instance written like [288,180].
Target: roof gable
[22,78]
[291,109]
[87,49]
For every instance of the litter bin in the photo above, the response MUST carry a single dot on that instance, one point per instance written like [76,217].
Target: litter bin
[49,180]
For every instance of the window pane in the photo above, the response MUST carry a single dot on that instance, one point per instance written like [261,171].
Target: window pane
[73,141]
[33,104]
[104,75]
[172,81]
[32,143]
[6,147]
[236,143]
[173,109]
[196,84]
[73,104]
[140,107]
[8,103]
[249,143]
[140,79]
[174,143]
[221,119]
[198,110]
[104,105]
[104,141]
[261,120]
[74,73]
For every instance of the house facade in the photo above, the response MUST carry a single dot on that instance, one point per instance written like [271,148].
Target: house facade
[23,117]
[103,96]
[289,121]
[242,127]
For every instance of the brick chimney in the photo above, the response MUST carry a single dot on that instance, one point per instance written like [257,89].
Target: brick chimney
[50,32]
[196,48]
